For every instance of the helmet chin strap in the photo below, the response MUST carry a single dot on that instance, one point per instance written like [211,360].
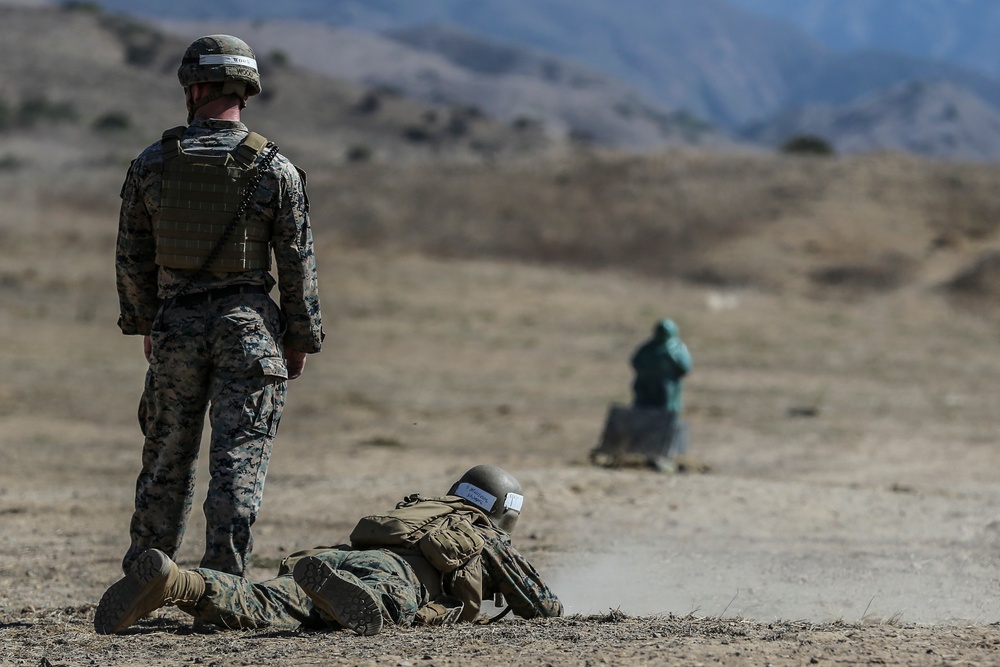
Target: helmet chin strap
[229,88]
[193,106]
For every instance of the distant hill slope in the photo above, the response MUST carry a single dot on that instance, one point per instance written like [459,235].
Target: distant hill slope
[716,61]
[88,84]
[935,119]
[444,65]
[847,226]
[712,58]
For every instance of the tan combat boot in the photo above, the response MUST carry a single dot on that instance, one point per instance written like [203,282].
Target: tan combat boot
[445,610]
[153,581]
[340,596]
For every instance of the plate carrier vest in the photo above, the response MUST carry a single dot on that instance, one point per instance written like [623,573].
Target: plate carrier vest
[200,195]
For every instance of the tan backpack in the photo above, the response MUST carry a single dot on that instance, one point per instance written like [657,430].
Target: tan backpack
[442,530]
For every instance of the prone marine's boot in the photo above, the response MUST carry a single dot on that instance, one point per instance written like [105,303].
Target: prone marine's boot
[153,581]
[339,595]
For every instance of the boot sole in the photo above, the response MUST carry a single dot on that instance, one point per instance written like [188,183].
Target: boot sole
[135,595]
[340,595]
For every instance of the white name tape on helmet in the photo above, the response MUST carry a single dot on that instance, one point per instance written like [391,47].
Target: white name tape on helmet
[513,501]
[476,496]
[222,59]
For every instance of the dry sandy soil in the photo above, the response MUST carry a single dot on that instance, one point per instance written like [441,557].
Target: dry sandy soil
[840,506]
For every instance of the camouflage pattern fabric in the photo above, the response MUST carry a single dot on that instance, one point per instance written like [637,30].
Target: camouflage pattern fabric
[225,353]
[410,590]
[279,604]
[280,200]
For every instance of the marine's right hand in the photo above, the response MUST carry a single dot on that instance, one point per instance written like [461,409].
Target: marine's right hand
[296,363]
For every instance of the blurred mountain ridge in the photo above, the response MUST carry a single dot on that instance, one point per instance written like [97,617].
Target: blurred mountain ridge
[82,91]
[961,32]
[635,74]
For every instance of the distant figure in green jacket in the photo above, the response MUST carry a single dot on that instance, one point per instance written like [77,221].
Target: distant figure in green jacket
[660,365]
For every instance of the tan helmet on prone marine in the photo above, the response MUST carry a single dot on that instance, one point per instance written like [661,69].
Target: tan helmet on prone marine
[219,59]
[493,490]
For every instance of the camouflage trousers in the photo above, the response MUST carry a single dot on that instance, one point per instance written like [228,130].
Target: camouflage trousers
[279,604]
[223,357]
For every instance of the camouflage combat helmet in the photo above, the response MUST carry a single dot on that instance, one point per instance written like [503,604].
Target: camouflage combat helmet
[495,491]
[220,59]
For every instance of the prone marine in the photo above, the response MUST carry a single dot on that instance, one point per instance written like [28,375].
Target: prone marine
[429,561]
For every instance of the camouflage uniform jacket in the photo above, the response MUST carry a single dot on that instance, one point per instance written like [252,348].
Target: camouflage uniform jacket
[280,201]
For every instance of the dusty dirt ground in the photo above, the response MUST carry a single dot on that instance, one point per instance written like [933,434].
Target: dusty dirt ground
[865,533]
[841,507]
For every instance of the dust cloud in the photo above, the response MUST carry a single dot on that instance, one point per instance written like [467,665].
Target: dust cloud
[820,585]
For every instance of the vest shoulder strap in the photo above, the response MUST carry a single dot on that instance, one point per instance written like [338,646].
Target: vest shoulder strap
[170,142]
[250,149]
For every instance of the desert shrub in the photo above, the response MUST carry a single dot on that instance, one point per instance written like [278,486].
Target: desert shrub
[524,123]
[359,153]
[980,279]
[36,110]
[457,126]
[369,104]
[10,162]
[416,133]
[142,43]
[888,272]
[113,121]
[385,90]
[807,144]
[967,203]
[279,58]
[714,276]
[75,6]
[469,112]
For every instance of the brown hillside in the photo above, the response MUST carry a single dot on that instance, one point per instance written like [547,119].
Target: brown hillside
[81,67]
[823,227]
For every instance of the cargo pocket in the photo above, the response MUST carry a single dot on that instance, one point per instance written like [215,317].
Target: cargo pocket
[275,366]
[256,343]
[262,409]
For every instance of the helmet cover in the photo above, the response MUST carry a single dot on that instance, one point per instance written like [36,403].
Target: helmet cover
[493,490]
[220,58]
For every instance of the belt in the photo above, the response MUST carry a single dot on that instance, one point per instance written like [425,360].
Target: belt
[218,293]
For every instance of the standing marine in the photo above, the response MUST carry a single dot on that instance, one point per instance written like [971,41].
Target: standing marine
[429,561]
[208,213]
